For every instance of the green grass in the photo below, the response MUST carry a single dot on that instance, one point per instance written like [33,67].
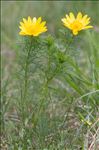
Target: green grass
[50,98]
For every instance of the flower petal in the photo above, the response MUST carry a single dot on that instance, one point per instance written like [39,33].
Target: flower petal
[75,32]
[79,16]
[72,17]
[88,27]
[39,20]
[29,19]
[34,20]
[24,20]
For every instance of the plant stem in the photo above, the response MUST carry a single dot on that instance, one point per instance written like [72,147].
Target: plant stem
[45,92]
[26,74]
[24,97]
[68,45]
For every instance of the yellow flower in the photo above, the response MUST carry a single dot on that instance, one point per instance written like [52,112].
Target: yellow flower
[32,27]
[78,23]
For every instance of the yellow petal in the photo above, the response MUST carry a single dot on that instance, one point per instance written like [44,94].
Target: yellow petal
[88,27]
[39,20]
[64,20]
[84,18]
[75,32]
[29,19]
[43,23]
[24,20]
[34,20]
[20,27]
[66,24]
[45,29]
[79,16]
[72,17]
[88,19]
[86,23]
[22,33]
[68,19]
[21,23]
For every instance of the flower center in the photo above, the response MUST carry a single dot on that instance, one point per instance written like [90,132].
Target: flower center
[76,25]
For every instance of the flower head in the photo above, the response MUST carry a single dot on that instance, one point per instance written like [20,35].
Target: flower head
[32,27]
[78,23]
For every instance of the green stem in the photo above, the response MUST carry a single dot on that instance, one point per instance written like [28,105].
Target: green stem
[44,91]
[26,74]
[24,97]
[68,45]
[45,94]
